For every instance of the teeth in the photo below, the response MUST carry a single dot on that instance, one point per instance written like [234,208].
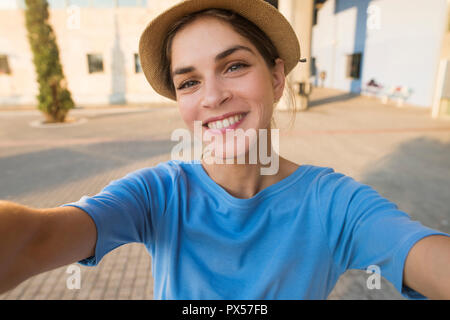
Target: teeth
[225,122]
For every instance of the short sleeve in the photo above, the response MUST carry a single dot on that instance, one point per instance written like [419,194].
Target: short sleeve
[366,229]
[126,210]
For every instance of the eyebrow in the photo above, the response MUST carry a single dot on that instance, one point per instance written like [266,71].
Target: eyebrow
[219,57]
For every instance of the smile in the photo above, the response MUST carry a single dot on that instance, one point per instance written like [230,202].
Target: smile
[227,123]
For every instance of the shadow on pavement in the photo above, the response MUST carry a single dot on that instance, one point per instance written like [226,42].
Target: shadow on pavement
[336,98]
[416,177]
[50,168]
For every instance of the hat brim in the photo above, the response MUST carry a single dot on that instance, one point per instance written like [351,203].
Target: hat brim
[261,13]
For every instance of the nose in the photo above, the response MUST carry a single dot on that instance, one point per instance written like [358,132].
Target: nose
[215,94]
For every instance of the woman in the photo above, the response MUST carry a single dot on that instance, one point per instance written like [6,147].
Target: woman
[225,231]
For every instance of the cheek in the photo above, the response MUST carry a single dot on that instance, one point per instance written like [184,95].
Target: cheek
[257,86]
[260,92]
[188,113]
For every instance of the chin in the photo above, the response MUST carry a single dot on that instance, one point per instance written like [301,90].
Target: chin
[234,151]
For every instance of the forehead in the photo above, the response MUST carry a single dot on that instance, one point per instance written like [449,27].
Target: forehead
[204,38]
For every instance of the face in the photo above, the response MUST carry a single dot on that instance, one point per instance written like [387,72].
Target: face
[221,80]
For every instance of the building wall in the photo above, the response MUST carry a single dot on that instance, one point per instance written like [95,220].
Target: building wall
[401,50]
[324,43]
[112,32]
[20,86]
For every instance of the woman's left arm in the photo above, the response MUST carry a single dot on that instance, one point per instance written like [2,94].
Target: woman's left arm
[427,267]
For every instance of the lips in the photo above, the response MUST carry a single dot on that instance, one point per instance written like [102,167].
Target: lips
[223,117]
[226,123]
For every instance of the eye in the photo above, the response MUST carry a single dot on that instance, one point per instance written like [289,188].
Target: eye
[237,66]
[187,84]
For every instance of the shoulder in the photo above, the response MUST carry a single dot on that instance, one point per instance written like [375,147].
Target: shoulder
[158,180]
[340,196]
[327,180]
[167,175]
[320,176]
[331,188]
[165,172]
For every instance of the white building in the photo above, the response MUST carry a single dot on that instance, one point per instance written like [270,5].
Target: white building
[395,42]
[398,43]
[98,46]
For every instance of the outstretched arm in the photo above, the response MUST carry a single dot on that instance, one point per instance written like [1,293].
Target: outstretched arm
[427,267]
[33,241]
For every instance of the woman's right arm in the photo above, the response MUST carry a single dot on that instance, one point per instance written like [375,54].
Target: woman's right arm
[33,241]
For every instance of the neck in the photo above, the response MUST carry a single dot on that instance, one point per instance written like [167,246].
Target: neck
[245,180]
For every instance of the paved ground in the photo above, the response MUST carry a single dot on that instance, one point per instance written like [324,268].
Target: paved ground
[401,152]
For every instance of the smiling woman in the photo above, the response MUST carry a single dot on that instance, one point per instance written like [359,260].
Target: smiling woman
[223,76]
[243,27]
[223,230]
[240,25]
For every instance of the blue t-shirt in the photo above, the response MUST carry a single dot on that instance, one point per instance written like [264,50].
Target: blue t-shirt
[292,240]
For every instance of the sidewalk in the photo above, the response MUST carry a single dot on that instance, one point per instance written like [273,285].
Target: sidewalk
[81,110]
[401,152]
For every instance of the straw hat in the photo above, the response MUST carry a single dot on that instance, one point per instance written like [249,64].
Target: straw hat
[261,13]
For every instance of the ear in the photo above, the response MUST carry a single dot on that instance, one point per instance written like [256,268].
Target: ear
[278,79]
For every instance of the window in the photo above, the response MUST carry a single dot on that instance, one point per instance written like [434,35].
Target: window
[318,4]
[4,65]
[313,66]
[137,64]
[315,14]
[354,65]
[95,63]
[273,2]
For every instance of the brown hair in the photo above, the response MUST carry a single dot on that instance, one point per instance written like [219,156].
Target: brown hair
[242,26]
